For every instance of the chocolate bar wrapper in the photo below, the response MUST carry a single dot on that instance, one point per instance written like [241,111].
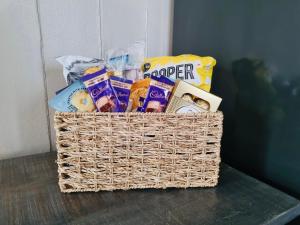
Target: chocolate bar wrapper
[122,89]
[102,92]
[141,101]
[139,108]
[158,94]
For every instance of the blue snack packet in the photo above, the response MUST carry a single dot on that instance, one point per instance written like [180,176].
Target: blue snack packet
[158,94]
[73,98]
[60,90]
[101,91]
[122,89]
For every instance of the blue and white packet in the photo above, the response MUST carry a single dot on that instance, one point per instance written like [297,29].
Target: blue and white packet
[68,99]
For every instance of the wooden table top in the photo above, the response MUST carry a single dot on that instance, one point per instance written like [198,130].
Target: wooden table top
[29,194]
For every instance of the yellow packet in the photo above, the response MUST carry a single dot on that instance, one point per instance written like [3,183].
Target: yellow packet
[196,70]
[138,89]
[95,69]
[91,70]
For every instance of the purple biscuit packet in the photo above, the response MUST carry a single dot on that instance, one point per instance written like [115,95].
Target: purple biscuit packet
[101,91]
[158,94]
[139,108]
[122,88]
[141,100]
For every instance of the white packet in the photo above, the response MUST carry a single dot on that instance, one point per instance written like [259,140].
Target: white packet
[116,60]
[74,66]
[136,54]
[127,63]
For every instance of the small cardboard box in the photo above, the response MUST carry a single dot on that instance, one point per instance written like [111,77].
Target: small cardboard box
[199,100]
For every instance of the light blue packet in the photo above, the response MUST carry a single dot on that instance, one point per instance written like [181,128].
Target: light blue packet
[62,102]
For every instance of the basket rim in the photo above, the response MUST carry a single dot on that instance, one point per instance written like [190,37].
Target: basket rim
[57,113]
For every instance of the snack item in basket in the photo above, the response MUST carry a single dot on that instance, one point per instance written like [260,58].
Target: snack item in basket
[122,89]
[141,101]
[139,108]
[87,71]
[83,101]
[127,62]
[129,107]
[75,66]
[101,91]
[117,59]
[60,90]
[133,74]
[198,100]
[193,69]
[136,58]
[187,97]
[158,94]
[72,99]
[203,104]
[139,89]
[91,70]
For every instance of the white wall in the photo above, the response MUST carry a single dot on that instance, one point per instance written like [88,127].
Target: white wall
[34,32]
[23,115]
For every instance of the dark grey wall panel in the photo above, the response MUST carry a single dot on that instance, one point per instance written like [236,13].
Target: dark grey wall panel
[256,44]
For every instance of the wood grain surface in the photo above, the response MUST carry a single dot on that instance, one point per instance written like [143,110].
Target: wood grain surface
[29,194]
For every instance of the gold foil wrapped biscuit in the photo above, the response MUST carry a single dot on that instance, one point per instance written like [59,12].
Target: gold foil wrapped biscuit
[203,104]
[187,97]
[91,70]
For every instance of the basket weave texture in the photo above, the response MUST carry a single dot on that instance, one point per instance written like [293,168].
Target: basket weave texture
[109,151]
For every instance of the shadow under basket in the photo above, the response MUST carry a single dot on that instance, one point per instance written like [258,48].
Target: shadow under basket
[109,151]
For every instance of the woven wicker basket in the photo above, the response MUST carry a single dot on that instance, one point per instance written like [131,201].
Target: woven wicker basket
[109,151]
